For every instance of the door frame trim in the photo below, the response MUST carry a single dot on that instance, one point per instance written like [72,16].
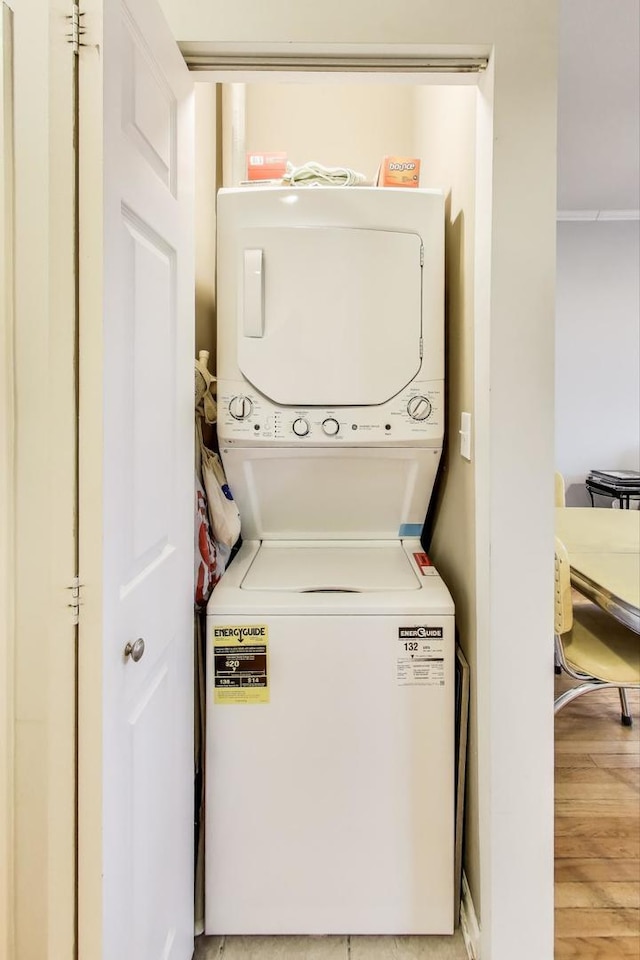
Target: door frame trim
[7,485]
[42,718]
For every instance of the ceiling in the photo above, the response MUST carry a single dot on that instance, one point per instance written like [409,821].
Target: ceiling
[599,105]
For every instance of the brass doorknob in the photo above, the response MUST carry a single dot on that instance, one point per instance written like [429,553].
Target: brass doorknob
[134,650]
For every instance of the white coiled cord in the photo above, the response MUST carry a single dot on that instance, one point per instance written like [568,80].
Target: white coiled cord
[313,172]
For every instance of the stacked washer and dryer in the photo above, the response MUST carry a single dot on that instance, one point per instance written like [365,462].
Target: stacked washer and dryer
[330,664]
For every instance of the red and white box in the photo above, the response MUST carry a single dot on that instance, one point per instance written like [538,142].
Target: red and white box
[266,166]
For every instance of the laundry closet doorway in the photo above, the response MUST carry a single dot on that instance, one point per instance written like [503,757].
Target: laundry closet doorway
[144,392]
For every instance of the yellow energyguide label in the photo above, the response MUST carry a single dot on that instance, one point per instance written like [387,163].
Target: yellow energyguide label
[240,663]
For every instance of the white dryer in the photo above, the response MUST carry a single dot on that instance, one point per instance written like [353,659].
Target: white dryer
[330,639]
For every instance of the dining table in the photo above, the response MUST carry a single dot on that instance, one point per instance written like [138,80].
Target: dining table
[603,545]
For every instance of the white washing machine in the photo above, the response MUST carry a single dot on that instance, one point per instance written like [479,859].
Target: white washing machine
[330,663]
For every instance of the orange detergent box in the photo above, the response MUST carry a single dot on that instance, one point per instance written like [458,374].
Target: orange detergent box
[266,166]
[399,172]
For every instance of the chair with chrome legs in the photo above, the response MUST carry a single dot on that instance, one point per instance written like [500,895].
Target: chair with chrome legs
[590,646]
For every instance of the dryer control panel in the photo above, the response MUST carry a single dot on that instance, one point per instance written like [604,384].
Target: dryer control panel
[414,416]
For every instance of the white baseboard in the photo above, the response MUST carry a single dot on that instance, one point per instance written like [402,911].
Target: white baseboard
[469,922]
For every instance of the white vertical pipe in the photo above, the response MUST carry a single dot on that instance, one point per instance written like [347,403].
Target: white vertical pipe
[233,134]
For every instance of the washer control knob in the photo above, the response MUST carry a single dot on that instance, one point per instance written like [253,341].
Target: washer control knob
[331,427]
[419,408]
[240,408]
[300,427]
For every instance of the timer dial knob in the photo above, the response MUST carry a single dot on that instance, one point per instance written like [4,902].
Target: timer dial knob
[240,408]
[419,408]
[300,427]
[330,426]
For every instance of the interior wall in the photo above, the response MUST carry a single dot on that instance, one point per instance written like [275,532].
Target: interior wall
[514,501]
[597,351]
[445,140]
[352,125]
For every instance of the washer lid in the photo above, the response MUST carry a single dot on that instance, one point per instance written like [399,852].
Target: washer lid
[331,566]
[329,316]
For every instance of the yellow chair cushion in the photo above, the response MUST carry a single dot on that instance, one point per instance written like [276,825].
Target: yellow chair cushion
[600,646]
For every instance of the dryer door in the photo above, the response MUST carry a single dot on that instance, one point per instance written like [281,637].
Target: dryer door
[329,316]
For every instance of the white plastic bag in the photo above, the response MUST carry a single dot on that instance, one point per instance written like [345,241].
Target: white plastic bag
[223,512]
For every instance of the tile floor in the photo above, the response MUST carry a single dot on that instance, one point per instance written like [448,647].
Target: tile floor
[331,948]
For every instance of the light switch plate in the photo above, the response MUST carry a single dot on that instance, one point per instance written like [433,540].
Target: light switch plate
[465,435]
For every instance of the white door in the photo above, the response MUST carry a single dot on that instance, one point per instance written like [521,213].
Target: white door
[136,482]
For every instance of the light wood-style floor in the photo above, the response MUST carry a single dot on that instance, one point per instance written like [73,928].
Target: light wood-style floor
[597,831]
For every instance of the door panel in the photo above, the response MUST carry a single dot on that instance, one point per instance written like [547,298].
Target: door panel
[149,317]
[148,104]
[153,834]
[140,483]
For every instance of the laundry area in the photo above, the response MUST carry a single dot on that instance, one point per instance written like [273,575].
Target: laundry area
[336,706]
[388,527]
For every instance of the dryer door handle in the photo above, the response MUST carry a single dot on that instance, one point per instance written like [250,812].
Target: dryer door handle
[253,306]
